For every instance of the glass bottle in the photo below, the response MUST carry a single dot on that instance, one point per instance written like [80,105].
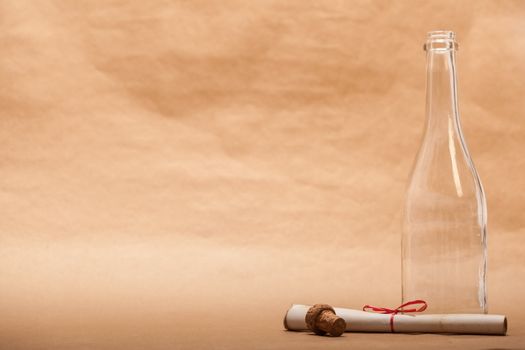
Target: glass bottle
[444,240]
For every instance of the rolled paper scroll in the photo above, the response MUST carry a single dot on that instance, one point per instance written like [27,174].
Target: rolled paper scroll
[361,321]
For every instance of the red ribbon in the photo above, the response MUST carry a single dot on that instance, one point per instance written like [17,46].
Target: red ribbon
[400,308]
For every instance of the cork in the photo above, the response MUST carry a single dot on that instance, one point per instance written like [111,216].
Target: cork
[321,319]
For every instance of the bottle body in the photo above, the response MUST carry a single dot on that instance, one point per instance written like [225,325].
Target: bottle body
[444,240]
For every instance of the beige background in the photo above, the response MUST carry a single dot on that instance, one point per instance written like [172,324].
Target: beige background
[175,174]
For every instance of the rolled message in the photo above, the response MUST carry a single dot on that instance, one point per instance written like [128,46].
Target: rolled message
[361,321]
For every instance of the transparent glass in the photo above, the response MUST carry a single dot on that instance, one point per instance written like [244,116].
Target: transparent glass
[444,240]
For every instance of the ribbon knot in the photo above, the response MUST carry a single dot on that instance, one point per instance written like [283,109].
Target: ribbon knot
[401,308]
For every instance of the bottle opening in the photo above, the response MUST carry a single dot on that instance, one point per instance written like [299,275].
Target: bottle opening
[440,40]
[441,34]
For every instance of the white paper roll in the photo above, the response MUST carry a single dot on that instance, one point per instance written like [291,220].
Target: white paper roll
[361,321]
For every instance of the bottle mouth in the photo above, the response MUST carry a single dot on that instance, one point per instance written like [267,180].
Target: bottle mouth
[440,40]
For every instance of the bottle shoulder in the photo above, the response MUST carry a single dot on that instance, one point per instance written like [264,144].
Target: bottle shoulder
[444,165]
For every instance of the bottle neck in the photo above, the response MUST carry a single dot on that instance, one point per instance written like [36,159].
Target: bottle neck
[441,94]
[443,134]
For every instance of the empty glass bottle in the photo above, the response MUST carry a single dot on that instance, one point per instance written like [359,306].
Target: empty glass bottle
[444,242]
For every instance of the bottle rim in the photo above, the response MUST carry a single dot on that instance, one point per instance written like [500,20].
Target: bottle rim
[441,35]
[440,40]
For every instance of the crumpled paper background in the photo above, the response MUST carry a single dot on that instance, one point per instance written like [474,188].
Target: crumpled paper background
[176,174]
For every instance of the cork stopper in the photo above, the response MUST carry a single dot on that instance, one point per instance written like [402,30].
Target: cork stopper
[321,319]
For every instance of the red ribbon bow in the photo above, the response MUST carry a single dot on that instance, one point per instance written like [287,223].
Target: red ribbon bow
[400,308]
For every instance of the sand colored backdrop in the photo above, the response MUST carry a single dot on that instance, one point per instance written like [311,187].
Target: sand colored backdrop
[173,174]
